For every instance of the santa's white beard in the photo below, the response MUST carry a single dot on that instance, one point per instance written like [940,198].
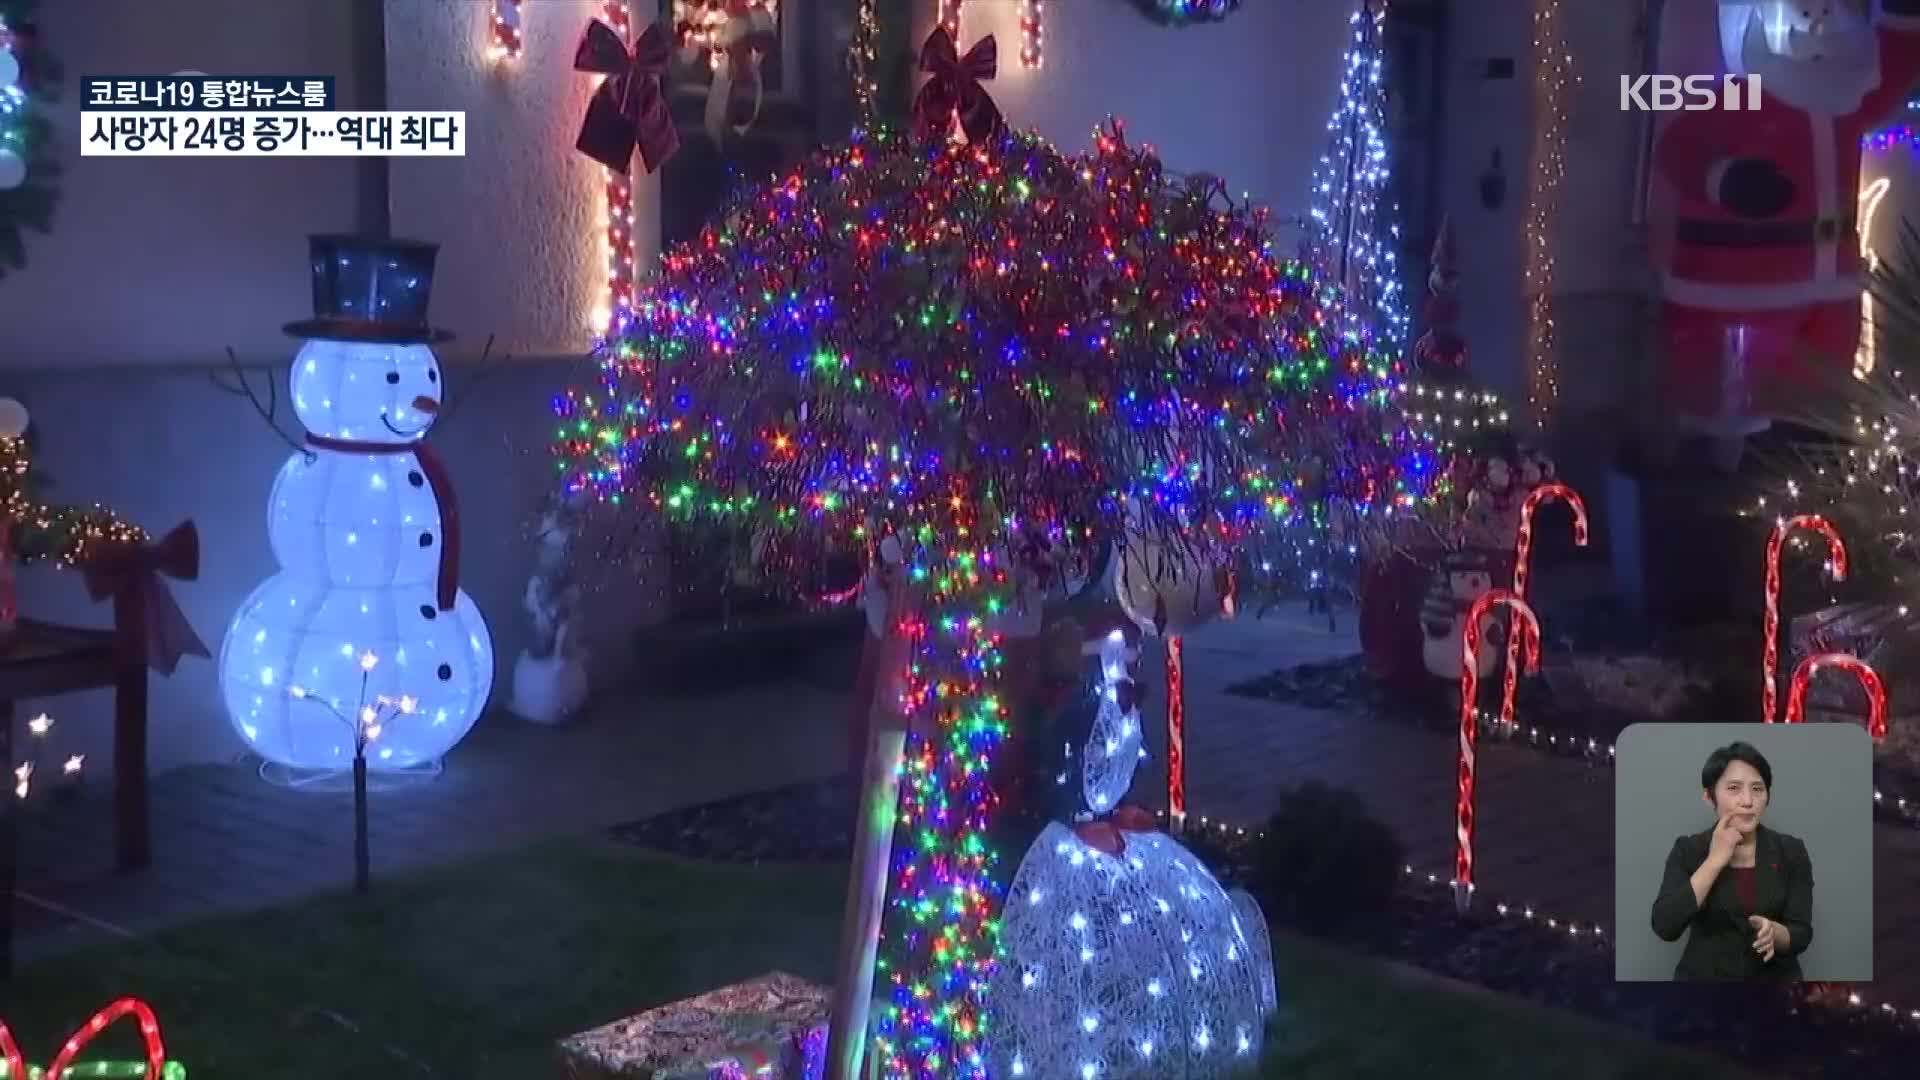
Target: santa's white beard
[1832,84]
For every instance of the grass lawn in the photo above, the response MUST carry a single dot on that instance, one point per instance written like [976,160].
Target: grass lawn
[473,971]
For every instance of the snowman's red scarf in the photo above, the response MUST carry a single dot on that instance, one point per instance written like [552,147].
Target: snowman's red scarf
[447,586]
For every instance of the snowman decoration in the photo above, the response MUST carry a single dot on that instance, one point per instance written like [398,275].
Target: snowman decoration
[1490,529]
[550,674]
[364,527]
[1123,957]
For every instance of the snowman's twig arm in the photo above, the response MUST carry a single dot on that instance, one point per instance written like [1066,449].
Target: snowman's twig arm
[483,369]
[269,412]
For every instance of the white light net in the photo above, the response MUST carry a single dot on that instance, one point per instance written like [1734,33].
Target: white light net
[1138,965]
[1113,750]
[1131,965]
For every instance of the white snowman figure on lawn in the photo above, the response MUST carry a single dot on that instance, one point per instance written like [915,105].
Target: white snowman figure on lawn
[1122,957]
[364,527]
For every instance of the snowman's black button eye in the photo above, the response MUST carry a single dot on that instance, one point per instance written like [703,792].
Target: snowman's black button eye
[427,612]
[426,539]
[393,378]
[445,672]
[432,375]
[415,478]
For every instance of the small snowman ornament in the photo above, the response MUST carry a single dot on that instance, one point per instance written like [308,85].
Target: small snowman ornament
[1463,578]
[1122,956]
[550,675]
[365,529]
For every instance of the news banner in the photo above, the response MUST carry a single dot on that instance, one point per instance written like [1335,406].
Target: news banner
[250,116]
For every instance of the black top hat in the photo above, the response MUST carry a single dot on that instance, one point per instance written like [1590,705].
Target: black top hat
[370,289]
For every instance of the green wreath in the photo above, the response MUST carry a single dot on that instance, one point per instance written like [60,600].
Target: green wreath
[1187,12]
[29,174]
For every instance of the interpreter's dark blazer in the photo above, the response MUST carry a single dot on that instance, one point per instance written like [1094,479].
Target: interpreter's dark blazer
[1719,939]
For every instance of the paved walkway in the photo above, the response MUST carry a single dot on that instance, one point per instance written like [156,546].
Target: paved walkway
[226,841]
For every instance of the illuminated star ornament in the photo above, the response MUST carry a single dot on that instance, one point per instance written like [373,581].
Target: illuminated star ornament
[959,347]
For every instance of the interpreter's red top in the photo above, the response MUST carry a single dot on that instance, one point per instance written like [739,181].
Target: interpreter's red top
[1743,886]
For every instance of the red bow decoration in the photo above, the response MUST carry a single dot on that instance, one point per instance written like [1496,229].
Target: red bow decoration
[150,625]
[954,87]
[156,1054]
[1107,834]
[629,109]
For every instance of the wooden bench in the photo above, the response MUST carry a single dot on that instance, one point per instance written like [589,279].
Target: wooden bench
[44,660]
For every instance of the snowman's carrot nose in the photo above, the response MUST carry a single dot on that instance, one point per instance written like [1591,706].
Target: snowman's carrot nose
[426,404]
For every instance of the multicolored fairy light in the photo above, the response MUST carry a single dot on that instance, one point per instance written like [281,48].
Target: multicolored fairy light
[1184,12]
[964,347]
[1553,80]
[1526,630]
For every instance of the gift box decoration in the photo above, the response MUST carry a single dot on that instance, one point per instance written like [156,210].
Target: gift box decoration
[770,1028]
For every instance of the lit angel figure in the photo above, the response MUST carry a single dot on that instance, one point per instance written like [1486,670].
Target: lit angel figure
[366,721]
[1123,957]
[24,772]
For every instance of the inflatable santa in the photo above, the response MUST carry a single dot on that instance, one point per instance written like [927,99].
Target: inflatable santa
[1762,287]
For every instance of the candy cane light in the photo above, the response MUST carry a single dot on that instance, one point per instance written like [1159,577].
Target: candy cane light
[1770,645]
[1176,734]
[1869,680]
[152,1066]
[1525,626]
[1522,564]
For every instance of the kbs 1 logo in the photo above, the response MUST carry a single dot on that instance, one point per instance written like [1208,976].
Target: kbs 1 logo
[1694,93]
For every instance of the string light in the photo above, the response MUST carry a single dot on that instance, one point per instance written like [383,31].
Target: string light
[950,17]
[40,532]
[1031,53]
[504,22]
[1450,414]
[1870,198]
[1553,79]
[1183,12]
[1350,208]
[861,59]
[616,307]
